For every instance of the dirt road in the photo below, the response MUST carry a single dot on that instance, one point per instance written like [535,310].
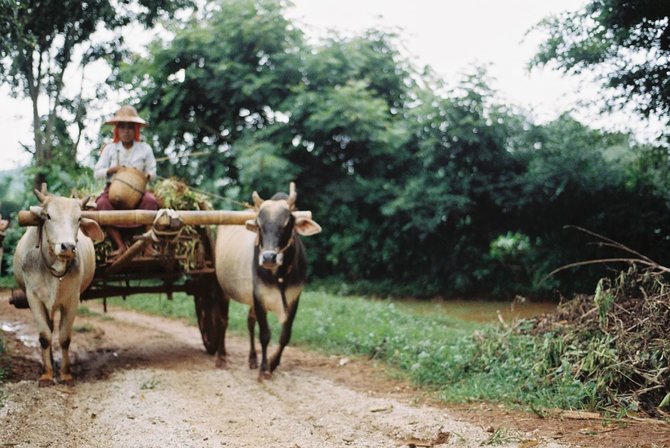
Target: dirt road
[147,382]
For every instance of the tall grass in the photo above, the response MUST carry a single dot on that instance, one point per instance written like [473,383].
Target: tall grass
[461,361]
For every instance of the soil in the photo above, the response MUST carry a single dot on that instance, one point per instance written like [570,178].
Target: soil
[145,381]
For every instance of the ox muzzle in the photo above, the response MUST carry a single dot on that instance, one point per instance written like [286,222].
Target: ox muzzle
[65,250]
[270,259]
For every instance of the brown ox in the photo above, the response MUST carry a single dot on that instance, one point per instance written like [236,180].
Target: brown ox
[263,265]
[53,263]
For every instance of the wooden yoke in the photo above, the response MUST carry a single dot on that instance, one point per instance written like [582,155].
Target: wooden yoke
[146,217]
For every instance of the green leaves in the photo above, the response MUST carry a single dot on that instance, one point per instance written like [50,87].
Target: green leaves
[624,44]
[225,73]
[262,165]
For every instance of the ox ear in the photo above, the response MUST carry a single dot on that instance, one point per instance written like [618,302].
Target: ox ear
[37,211]
[91,229]
[251,225]
[306,227]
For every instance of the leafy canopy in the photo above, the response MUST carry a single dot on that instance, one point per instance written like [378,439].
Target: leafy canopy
[626,43]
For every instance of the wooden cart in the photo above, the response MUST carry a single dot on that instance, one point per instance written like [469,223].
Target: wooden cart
[167,271]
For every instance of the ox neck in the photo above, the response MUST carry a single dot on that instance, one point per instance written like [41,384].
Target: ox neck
[287,267]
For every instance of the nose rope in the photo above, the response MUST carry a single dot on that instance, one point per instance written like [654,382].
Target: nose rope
[280,251]
[289,268]
[288,244]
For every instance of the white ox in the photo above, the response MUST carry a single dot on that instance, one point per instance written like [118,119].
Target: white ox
[53,263]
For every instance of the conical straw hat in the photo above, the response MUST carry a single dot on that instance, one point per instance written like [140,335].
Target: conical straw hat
[127,114]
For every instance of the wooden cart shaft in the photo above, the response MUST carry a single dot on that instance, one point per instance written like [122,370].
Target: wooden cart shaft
[145,217]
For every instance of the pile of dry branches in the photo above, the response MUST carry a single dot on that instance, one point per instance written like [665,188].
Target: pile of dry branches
[619,338]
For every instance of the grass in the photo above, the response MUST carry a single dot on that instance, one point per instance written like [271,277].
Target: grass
[461,361]
[84,328]
[7,282]
[150,384]
[181,307]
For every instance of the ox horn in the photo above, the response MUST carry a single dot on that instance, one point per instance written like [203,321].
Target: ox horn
[84,202]
[257,200]
[41,195]
[292,196]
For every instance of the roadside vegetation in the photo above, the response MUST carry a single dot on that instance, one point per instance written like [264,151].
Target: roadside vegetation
[606,352]
[7,282]
[457,360]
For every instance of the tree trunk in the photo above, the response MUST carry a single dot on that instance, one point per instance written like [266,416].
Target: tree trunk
[40,156]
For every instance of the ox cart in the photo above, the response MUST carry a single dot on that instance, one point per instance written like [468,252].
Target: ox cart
[167,269]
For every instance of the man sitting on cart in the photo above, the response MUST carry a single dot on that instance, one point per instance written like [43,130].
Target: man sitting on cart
[126,150]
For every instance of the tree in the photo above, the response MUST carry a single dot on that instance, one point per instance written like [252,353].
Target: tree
[40,40]
[223,74]
[458,180]
[625,42]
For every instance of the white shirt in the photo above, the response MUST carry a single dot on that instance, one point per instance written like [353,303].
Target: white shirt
[139,156]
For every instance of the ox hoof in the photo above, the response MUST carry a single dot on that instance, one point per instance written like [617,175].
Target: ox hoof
[221,362]
[262,376]
[274,363]
[253,363]
[67,380]
[45,382]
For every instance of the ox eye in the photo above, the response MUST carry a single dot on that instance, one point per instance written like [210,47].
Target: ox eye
[48,216]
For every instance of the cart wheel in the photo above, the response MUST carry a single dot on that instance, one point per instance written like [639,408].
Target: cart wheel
[209,317]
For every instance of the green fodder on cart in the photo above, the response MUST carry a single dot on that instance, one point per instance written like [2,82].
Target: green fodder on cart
[172,194]
[176,195]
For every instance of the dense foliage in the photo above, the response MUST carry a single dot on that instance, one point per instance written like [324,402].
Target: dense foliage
[421,190]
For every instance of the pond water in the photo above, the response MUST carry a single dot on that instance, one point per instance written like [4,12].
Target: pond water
[478,310]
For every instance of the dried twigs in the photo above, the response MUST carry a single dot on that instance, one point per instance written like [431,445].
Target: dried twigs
[617,339]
